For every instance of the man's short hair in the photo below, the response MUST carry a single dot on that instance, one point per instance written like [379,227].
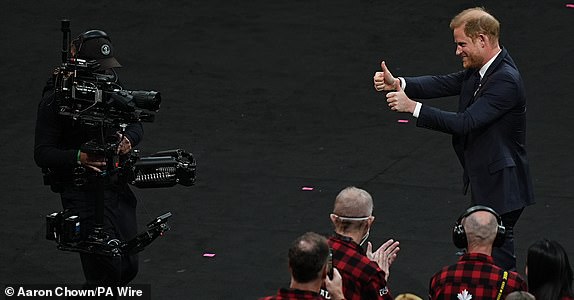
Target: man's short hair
[480,227]
[477,21]
[519,295]
[307,257]
[353,202]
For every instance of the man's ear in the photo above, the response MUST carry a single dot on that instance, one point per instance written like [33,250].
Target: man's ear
[370,221]
[333,217]
[483,39]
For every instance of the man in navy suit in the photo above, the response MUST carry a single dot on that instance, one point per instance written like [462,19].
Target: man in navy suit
[488,130]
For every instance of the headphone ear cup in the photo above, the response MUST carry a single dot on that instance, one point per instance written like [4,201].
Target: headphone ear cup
[459,236]
[500,236]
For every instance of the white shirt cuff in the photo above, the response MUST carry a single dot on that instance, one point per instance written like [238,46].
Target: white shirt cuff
[417,110]
[403,83]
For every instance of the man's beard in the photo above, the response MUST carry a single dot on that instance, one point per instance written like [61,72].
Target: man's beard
[470,63]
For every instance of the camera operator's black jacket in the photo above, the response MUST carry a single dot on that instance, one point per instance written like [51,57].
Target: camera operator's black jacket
[58,138]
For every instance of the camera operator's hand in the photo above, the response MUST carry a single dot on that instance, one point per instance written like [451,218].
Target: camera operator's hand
[94,162]
[125,145]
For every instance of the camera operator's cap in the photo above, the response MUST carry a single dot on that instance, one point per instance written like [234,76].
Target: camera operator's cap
[95,44]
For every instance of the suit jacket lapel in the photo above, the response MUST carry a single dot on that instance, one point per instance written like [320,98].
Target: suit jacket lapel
[502,56]
[468,89]
[466,101]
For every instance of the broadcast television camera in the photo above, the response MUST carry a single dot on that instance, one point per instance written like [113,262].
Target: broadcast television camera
[95,99]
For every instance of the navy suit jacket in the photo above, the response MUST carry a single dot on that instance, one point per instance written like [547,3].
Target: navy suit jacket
[488,131]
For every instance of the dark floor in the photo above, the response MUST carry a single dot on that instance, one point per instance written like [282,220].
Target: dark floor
[270,97]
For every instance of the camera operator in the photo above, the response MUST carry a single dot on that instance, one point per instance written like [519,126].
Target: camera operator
[58,140]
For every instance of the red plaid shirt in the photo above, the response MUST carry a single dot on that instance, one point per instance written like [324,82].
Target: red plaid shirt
[362,278]
[473,275]
[293,294]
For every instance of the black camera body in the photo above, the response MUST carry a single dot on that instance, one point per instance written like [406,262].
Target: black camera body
[85,94]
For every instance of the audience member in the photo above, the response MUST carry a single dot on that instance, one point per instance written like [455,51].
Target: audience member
[308,263]
[365,273]
[408,296]
[548,270]
[520,295]
[475,276]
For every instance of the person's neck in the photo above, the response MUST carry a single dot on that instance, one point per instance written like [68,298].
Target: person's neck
[313,286]
[491,53]
[486,250]
[356,236]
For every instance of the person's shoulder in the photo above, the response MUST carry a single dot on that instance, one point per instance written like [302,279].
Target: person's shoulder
[467,262]
[332,240]
[515,281]
[515,274]
[272,297]
[518,279]
[444,272]
[507,66]
[342,245]
[506,73]
[47,100]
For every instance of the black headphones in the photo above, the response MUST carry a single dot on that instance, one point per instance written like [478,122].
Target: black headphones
[459,235]
[89,35]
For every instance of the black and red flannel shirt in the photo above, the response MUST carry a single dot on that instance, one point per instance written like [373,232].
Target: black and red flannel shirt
[293,294]
[362,278]
[474,275]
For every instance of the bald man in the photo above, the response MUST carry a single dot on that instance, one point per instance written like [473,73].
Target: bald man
[364,273]
[475,276]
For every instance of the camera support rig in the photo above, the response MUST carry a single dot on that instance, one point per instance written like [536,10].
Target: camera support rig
[162,169]
[95,99]
[98,243]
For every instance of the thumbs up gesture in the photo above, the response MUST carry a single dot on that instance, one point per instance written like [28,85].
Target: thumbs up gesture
[384,81]
[399,101]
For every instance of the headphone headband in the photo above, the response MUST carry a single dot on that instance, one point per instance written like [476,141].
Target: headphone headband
[476,208]
[459,234]
[93,34]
